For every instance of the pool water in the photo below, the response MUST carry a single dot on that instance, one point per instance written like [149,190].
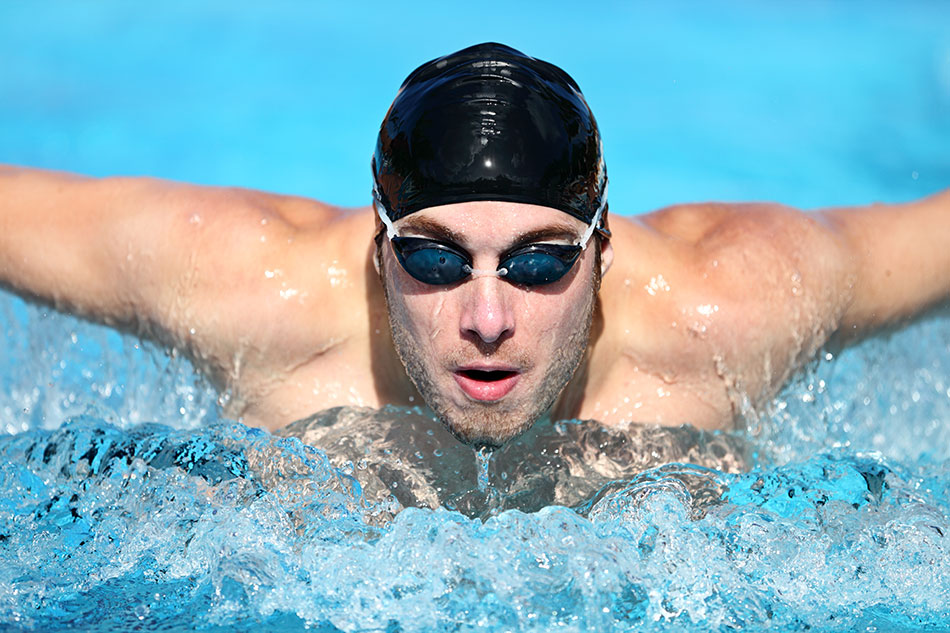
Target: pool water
[830,513]
[127,502]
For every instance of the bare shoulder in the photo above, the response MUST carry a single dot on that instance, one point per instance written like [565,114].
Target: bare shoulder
[721,226]
[234,277]
[216,241]
[735,247]
[722,294]
[258,280]
[692,237]
[713,306]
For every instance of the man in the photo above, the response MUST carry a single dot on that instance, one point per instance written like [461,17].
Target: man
[484,280]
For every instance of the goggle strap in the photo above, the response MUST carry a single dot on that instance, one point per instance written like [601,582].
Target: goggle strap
[383,213]
[596,221]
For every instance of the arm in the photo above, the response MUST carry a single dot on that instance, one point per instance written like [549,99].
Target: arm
[899,259]
[761,287]
[171,261]
[71,241]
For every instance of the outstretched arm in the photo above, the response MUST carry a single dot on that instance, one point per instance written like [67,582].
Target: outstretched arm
[63,240]
[85,245]
[898,256]
[180,263]
[765,286]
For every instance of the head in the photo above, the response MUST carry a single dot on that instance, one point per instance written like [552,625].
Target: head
[490,188]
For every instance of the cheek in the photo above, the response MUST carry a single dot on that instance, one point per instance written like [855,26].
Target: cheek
[430,316]
[424,316]
[553,315]
[559,314]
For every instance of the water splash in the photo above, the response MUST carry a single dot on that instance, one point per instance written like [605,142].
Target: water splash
[232,527]
[483,460]
[834,518]
[409,456]
[53,367]
[890,394]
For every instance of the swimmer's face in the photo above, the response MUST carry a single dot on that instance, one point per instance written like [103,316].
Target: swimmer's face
[491,357]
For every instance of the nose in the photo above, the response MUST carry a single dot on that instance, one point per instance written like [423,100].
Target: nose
[487,312]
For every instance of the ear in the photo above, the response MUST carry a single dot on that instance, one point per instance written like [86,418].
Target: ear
[606,256]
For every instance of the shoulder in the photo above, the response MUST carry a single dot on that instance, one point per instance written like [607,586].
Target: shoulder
[237,210]
[228,242]
[710,226]
[743,241]
[278,278]
[734,282]
[245,228]
[290,255]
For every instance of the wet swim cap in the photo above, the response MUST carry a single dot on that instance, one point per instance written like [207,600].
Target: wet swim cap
[490,123]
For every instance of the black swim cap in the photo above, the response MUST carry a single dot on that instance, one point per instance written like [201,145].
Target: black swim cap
[490,123]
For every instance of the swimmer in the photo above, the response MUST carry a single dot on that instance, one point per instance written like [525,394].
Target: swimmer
[487,279]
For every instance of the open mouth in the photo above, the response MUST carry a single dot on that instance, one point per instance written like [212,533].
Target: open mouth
[487,375]
[486,385]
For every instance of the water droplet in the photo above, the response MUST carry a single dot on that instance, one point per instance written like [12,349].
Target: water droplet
[482,461]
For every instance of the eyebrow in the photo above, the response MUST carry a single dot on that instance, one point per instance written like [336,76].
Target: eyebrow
[433,229]
[547,233]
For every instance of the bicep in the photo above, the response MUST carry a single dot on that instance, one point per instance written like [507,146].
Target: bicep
[232,277]
[899,257]
[217,272]
[62,239]
[137,253]
[154,245]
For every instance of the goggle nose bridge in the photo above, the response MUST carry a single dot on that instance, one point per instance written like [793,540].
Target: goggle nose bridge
[485,272]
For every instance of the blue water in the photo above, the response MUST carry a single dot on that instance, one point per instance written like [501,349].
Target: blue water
[127,502]
[811,103]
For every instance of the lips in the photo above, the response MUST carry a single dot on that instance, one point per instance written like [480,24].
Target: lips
[486,384]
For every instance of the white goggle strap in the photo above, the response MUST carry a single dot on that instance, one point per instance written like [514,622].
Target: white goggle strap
[596,221]
[383,213]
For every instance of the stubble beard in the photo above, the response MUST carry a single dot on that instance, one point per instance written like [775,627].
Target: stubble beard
[491,424]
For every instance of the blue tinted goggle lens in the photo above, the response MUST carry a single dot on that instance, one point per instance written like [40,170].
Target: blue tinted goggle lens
[437,263]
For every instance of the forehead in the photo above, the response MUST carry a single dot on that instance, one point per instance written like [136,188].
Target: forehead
[492,222]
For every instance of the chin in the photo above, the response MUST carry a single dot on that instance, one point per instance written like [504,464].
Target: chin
[486,427]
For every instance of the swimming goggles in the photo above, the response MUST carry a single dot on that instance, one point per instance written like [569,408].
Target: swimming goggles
[440,263]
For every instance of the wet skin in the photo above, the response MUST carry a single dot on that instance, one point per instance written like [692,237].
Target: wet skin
[704,310]
[491,356]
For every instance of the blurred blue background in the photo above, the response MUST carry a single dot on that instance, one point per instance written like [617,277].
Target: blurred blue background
[811,103]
